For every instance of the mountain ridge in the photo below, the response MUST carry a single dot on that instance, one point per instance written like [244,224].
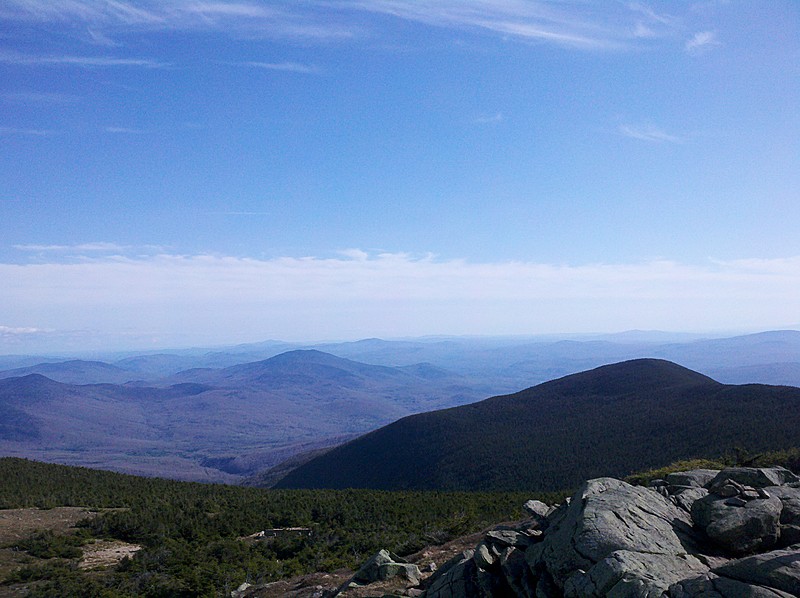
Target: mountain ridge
[494,364]
[608,421]
[215,424]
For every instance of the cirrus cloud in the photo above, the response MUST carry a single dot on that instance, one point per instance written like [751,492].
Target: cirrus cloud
[700,41]
[19,59]
[647,132]
[104,19]
[576,25]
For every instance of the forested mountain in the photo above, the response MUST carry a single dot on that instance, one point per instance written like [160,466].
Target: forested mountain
[310,367]
[503,364]
[75,371]
[613,420]
[514,363]
[159,365]
[254,408]
[216,425]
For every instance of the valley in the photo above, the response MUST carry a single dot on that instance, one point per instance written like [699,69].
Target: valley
[399,299]
[231,415]
[409,457]
[215,425]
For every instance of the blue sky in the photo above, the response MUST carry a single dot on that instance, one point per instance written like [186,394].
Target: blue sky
[203,172]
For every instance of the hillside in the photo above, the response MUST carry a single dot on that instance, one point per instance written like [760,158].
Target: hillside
[256,407]
[193,537]
[308,368]
[495,364]
[702,533]
[612,420]
[216,424]
[200,539]
[514,363]
[75,371]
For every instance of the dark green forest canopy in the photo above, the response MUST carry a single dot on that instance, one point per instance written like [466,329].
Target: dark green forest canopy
[612,421]
[190,531]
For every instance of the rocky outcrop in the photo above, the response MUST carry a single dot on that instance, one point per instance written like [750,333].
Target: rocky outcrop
[779,569]
[704,533]
[695,534]
[738,525]
[381,566]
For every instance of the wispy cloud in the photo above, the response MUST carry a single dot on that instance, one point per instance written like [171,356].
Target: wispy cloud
[580,25]
[490,119]
[290,67]
[78,61]
[210,10]
[104,18]
[575,24]
[362,293]
[25,132]
[123,131]
[239,213]
[90,11]
[95,247]
[38,98]
[650,15]
[649,133]
[355,254]
[700,41]
[98,38]
[19,330]
[650,24]
[643,31]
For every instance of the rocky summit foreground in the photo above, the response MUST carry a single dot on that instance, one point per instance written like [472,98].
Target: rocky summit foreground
[733,533]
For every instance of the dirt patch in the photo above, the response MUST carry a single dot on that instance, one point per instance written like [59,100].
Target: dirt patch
[106,553]
[16,524]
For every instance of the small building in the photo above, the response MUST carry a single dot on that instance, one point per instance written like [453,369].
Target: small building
[279,532]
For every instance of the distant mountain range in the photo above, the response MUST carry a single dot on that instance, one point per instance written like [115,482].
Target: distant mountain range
[511,364]
[75,371]
[212,424]
[610,421]
[249,407]
[496,365]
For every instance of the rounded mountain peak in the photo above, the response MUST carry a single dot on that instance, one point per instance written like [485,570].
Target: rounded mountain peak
[628,377]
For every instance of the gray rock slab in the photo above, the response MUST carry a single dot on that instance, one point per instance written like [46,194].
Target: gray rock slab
[450,564]
[790,514]
[625,574]
[738,529]
[790,499]
[536,508]
[607,515]
[757,477]
[685,499]
[778,569]
[505,538]
[386,565]
[484,557]
[726,489]
[457,581]
[699,478]
[713,586]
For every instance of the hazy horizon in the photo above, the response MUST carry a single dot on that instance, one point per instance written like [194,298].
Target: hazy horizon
[200,173]
[74,345]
